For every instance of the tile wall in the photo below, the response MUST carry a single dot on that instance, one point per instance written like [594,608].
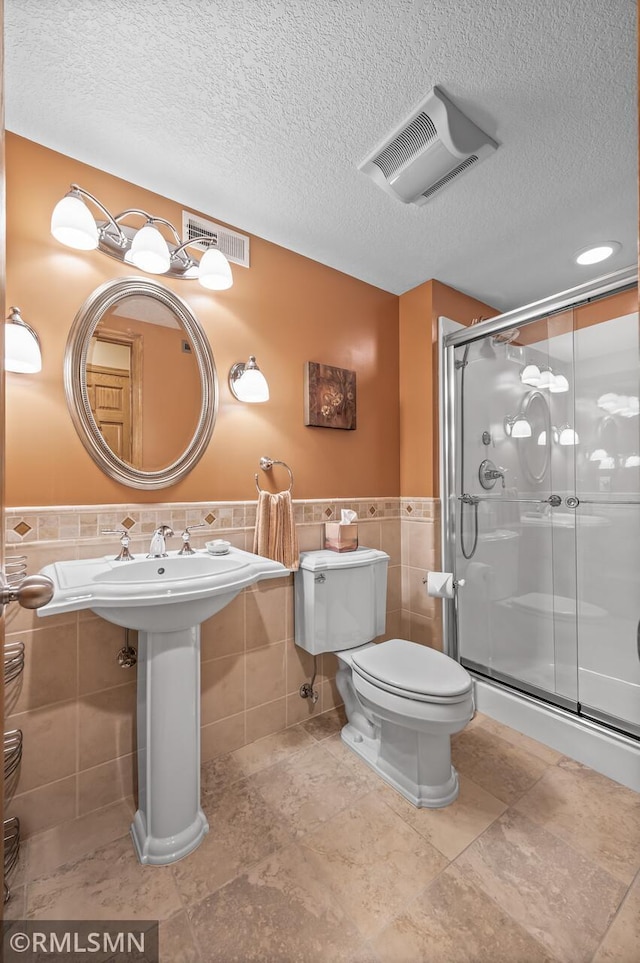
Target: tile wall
[76,706]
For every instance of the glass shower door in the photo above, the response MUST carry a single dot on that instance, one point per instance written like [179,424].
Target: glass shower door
[607,368]
[516,548]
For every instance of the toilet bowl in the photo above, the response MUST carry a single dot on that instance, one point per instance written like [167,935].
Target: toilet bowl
[403,701]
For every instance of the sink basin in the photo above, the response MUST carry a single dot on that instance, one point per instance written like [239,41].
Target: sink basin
[165,599]
[156,594]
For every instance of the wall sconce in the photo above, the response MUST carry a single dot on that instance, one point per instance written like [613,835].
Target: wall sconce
[248,383]
[73,224]
[568,436]
[530,375]
[559,384]
[517,427]
[21,345]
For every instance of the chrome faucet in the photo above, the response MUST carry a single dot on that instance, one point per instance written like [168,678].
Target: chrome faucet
[158,546]
[488,473]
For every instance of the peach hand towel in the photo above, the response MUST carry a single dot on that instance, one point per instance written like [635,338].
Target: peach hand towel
[275,535]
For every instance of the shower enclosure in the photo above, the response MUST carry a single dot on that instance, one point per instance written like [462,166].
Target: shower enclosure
[541,500]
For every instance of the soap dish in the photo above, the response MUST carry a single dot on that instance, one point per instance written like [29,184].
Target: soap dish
[219,547]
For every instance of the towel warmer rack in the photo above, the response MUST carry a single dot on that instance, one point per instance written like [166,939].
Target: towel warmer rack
[267,464]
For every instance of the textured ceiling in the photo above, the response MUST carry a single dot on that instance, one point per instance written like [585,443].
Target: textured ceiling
[257,113]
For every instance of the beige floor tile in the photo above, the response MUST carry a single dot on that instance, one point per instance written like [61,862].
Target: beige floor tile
[621,943]
[327,724]
[374,863]
[455,922]
[16,908]
[243,830]
[592,813]
[452,828]
[309,788]
[218,774]
[271,749]
[338,748]
[546,753]
[279,912]
[501,768]
[62,844]
[177,944]
[109,883]
[562,898]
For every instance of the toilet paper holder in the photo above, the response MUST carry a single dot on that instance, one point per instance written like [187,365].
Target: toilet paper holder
[457,582]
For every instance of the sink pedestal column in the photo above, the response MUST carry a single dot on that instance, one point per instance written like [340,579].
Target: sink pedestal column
[169,822]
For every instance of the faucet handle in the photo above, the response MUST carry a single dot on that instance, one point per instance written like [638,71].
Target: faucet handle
[125,540]
[186,536]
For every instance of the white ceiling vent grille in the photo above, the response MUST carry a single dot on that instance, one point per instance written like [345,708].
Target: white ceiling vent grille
[454,173]
[233,245]
[434,145]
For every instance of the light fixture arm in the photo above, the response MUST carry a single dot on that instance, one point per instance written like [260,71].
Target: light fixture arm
[150,219]
[110,218]
[182,248]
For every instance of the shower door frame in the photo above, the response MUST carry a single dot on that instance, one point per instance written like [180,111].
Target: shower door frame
[609,284]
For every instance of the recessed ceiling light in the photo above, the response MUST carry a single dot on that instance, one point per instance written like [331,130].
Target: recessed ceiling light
[591,255]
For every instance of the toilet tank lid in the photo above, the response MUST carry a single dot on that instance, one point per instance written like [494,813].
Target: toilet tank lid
[413,668]
[326,559]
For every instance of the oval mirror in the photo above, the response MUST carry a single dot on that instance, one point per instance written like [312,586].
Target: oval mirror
[140,382]
[535,451]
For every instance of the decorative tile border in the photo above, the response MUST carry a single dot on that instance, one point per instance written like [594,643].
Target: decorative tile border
[422,508]
[54,523]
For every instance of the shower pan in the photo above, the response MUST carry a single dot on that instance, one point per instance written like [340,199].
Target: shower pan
[540,476]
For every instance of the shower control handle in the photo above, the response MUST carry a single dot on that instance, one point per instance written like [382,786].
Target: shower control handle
[553,500]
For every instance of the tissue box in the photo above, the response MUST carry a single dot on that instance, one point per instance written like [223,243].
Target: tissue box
[340,538]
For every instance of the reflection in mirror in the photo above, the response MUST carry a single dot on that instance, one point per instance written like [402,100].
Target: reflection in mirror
[140,382]
[534,450]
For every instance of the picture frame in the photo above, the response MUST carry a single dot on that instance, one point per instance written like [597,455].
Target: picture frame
[329,396]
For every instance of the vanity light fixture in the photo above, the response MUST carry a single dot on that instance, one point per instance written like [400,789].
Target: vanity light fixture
[517,427]
[559,384]
[530,375]
[546,378]
[21,345]
[598,454]
[248,383]
[73,224]
[568,436]
[593,255]
[632,461]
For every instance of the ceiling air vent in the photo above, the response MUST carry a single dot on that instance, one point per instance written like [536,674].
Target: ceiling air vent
[234,246]
[433,146]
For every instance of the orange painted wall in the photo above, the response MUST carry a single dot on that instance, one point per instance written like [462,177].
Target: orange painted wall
[418,322]
[286,309]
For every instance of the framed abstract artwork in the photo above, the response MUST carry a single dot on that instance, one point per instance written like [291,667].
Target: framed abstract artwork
[329,396]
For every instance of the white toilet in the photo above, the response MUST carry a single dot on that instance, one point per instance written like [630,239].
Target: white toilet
[403,700]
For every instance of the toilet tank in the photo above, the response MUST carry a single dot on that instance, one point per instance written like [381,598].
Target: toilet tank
[340,599]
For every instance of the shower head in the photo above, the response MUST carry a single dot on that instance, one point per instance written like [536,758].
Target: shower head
[506,337]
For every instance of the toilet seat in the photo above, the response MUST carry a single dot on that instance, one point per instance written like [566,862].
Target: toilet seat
[412,671]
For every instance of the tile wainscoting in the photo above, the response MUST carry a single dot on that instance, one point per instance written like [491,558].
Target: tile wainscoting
[76,706]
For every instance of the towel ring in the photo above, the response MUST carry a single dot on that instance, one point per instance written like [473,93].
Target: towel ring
[267,464]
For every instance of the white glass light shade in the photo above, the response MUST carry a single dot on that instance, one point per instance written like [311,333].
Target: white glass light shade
[530,375]
[568,436]
[608,401]
[214,271]
[546,379]
[632,461]
[521,428]
[248,383]
[21,349]
[598,454]
[542,438]
[607,463]
[559,384]
[72,224]
[149,251]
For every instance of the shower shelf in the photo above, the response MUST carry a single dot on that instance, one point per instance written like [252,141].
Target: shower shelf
[13,661]
[12,752]
[11,850]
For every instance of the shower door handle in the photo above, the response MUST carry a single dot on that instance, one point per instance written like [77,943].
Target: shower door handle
[32,593]
[553,500]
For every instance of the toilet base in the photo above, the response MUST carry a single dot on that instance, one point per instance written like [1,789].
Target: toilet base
[419,794]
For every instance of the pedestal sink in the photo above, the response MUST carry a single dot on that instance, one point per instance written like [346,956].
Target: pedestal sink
[165,599]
